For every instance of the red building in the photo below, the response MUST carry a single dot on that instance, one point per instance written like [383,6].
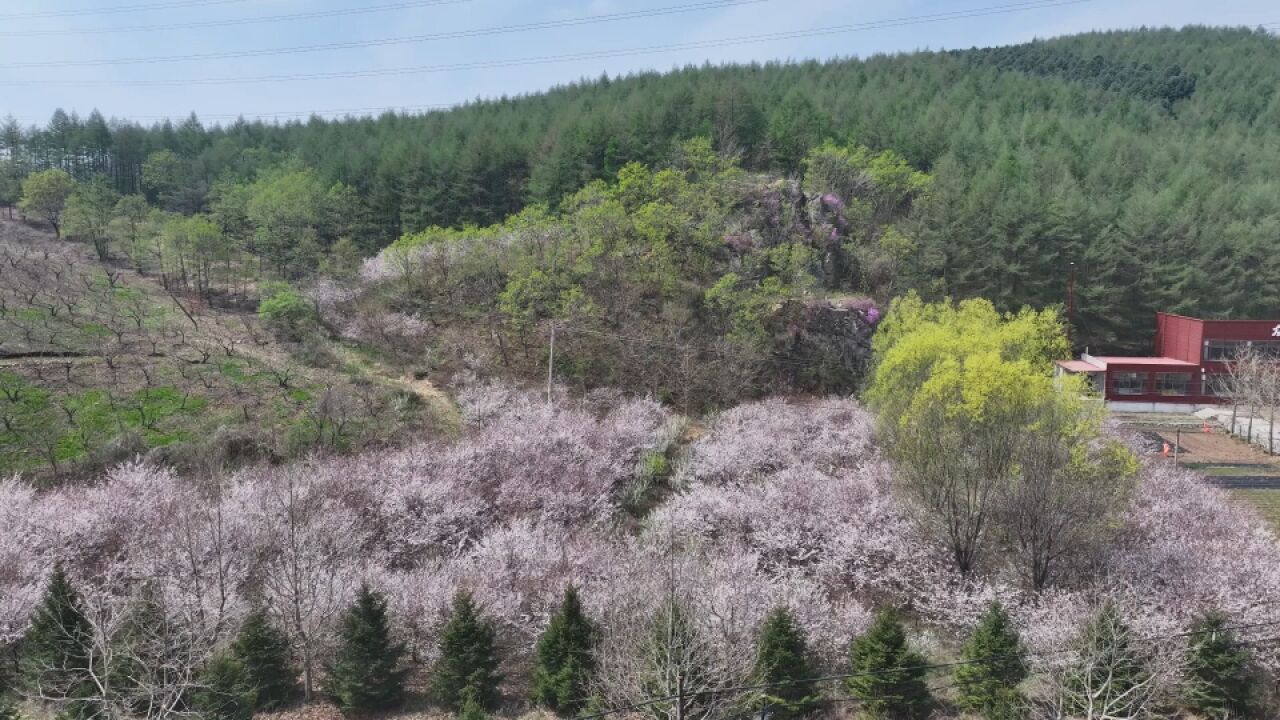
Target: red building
[1192,359]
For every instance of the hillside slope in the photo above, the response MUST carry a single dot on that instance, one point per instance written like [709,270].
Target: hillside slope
[1147,158]
[99,363]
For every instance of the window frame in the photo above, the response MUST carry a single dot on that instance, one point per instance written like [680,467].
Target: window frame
[1164,390]
[1230,349]
[1135,375]
[1217,385]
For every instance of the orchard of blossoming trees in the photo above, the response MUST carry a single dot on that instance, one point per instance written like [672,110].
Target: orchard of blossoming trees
[775,503]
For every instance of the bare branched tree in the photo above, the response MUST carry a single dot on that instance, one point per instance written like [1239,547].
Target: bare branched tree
[1108,678]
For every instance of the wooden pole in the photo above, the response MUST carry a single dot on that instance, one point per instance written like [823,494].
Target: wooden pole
[1177,444]
[551,361]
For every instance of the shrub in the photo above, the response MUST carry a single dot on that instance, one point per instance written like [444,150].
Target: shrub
[286,310]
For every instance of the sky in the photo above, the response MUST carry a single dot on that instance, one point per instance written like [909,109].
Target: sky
[66,53]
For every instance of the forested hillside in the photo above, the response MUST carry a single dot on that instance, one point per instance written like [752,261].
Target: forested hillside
[687,396]
[1148,158]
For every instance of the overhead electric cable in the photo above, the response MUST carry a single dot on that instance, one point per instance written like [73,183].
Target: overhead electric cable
[568,57]
[144,7]
[401,40]
[226,22]
[648,702]
[305,113]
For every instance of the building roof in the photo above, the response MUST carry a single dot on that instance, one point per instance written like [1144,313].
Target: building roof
[1078,366]
[1219,320]
[1106,360]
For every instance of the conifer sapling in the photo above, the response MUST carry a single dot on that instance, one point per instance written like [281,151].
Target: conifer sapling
[564,662]
[1220,682]
[994,667]
[888,677]
[263,653]
[365,675]
[58,646]
[781,660]
[468,658]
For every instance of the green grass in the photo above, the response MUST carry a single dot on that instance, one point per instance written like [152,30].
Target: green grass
[1266,501]
[1210,470]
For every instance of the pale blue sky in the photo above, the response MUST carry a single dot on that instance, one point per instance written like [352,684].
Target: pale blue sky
[32,93]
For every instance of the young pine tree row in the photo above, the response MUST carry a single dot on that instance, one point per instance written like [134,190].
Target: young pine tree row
[1107,673]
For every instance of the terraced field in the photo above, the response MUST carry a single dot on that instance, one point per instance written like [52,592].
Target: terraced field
[99,363]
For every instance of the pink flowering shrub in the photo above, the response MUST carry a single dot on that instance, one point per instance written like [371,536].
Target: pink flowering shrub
[774,503]
[759,438]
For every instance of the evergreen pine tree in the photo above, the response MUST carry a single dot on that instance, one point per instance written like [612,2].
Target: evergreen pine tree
[263,652]
[471,707]
[988,684]
[57,647]
[225,692]
[781,660]
[564,658]
[888,676]
[1219,680]
[468,658]
[364,675]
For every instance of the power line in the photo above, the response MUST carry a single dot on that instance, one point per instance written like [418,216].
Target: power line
[648,702]
[308,113]
[402,40]
[285,17]
[118,9]
[277,114]
[569,57]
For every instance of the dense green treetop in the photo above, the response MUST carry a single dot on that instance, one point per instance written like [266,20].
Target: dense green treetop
[1144,164]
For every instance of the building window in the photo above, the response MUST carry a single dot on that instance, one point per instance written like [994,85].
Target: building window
[1268,350]
[1172,383]
[1129,383]
[1218,384]
[1222,350]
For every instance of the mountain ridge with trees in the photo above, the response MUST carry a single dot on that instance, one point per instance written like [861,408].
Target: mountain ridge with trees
[1143,162]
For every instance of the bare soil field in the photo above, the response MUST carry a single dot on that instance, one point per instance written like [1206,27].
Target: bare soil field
[1247,471]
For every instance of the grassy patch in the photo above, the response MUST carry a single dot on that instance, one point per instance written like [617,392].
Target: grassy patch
[1211,470]
[1266,501]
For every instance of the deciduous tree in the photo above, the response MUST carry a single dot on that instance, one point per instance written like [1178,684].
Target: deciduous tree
[44,195]
[88,214]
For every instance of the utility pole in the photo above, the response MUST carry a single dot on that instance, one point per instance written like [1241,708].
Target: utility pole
[551,361]
[1071,292]
[1177,444]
